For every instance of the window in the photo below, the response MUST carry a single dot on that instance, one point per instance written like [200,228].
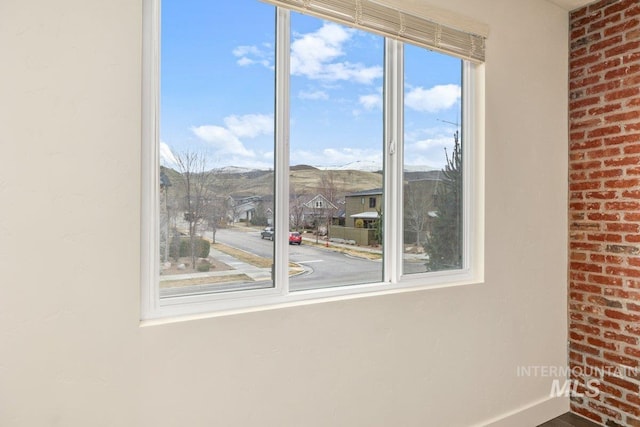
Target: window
[261,117]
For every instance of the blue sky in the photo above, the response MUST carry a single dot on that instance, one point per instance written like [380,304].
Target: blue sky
[217,89]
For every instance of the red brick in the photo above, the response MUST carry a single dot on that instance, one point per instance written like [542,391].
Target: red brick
[610,413]
[603,131]
[626,272]
[599,216]
[605,280]
[623,161]
[625,407]
[622,139]
[622,206]
[604,195]
[620,382]
[587,413]
[576,316]
[622,117]
[620,28]
[623,227]
[605,65]
[584,102]
[608,389]
[587,81]
[632,11]
[603,44]
[602,344]
[632,216]
[576,357]
[633,352]
[620,337]
[623,360]
[584,348]
[581,266]
[586,165]
[582,186]
[578,33]
[619,6]
[605,323]
[585,287]
[632,329]
[585,328]
[624,294]
[622,49]
[585,60]
[633,306]
[622,183]
[615,314]
[604,22]
[621,72]
[623,93]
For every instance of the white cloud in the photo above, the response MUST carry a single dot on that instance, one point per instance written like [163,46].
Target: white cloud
[167,157]
[226,140]
[222,139]
[336,156]
[250,55]
[427,144]
[371,102]
[314,56]
[432,100]
[250,125]
[315,95]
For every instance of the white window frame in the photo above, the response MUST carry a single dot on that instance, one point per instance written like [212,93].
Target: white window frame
[213,304]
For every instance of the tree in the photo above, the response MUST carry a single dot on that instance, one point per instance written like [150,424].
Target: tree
[418,203]
[197,183]
[296,210]
[329,190]
[444,244]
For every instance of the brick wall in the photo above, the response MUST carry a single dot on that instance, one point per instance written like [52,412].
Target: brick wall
[604,211]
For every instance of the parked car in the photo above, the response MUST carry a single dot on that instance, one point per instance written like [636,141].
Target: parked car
[295,238]
[267,233]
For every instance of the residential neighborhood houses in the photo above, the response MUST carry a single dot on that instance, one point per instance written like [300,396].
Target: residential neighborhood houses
[326,208]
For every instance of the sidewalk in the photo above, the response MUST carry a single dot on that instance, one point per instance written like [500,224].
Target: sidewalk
[255,273]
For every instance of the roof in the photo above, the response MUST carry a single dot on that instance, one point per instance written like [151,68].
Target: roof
[372,192]
[366,215]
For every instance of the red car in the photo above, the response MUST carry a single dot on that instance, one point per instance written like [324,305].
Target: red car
[295,238]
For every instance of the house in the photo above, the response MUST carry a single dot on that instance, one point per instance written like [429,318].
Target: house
[558,187]
[362,208]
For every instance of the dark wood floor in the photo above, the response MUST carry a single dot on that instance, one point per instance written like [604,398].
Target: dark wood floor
[569,420]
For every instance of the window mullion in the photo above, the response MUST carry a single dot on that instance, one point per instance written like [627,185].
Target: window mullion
[393,152]
[282,110]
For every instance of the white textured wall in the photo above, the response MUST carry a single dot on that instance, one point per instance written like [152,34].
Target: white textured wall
[71,349]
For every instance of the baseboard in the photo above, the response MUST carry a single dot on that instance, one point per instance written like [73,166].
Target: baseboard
[531,415]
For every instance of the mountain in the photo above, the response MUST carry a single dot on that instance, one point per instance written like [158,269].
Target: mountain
[303,179]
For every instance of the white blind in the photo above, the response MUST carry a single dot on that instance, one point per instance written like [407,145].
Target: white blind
[389,22]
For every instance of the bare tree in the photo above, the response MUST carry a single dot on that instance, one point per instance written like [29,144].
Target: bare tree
[197,181]
[329,189]
[296,210]
[418,203]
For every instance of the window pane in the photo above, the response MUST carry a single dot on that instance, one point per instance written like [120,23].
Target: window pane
[336,154]
[216,146]
[432,165]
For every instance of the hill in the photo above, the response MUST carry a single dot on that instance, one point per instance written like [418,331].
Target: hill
[303,180]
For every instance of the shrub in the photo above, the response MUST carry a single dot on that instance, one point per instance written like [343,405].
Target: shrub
[202,248]
[204,266]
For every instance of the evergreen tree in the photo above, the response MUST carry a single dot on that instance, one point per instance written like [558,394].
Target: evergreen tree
[444,244]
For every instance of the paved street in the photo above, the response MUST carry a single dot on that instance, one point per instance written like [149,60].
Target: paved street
[323,267]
